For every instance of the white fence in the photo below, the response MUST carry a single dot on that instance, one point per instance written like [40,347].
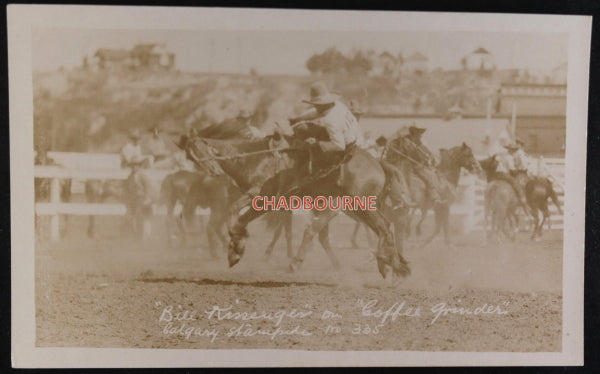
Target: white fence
[469,205]
[54,208]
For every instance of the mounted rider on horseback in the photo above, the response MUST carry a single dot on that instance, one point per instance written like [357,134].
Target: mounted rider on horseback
[344,136]
[407,146]
[508,162]
[342,133]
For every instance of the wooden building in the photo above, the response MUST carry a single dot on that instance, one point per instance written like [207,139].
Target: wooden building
[539,111]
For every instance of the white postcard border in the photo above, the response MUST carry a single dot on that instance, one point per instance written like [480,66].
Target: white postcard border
[22,19]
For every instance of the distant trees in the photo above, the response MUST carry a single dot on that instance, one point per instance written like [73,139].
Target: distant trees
[334,61]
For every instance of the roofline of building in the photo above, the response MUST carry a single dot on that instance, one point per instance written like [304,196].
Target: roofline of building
[555,85]
[433,116]
[464,116]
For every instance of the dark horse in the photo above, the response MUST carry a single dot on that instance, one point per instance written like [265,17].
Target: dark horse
[198,189]
[449,168]
[216,151]
[537,192]
[360,175]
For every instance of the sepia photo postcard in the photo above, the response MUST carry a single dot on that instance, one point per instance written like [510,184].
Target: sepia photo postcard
[211,187]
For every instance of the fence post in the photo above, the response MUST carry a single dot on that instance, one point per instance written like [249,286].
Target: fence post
[55,200]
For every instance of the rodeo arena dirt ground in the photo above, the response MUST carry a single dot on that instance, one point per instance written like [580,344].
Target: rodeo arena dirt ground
[121,293]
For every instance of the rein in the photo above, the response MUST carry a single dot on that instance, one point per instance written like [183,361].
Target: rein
[399,152]
[242,155]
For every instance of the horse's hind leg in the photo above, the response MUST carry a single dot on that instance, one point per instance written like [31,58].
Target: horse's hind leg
[319,222]
[421,219]
[545,218]
[287,222]
[438,227]
[355,234]
[276,235]
[506,225]
[324,240]
[387,254]
[445,212]
[401,221]
[536,221]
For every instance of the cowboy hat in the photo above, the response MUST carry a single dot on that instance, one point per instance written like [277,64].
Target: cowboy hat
[320,95]
[355,108]
[381,141]
[414,130]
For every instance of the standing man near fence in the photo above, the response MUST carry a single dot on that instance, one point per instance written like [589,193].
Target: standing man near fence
[138,190]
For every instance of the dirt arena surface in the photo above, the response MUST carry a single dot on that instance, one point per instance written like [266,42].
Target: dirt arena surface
[112,292]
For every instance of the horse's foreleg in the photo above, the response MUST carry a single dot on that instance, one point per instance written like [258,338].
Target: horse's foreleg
[238,234]
[276,235]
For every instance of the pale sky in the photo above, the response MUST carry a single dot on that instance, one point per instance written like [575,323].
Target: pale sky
[285,52]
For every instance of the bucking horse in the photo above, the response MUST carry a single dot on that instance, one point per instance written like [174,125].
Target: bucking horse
[360,174]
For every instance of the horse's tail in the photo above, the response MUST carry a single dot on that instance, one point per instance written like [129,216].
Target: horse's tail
[554,198]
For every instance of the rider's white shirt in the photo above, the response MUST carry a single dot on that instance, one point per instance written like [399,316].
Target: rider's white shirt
[521,160]
[506,162]
[131,153]
[342,127]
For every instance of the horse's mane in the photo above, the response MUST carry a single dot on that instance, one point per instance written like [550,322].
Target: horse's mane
[228,129]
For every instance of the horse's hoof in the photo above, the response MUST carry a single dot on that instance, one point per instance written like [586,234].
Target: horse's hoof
[382,268]
[233,259]
[294,266]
